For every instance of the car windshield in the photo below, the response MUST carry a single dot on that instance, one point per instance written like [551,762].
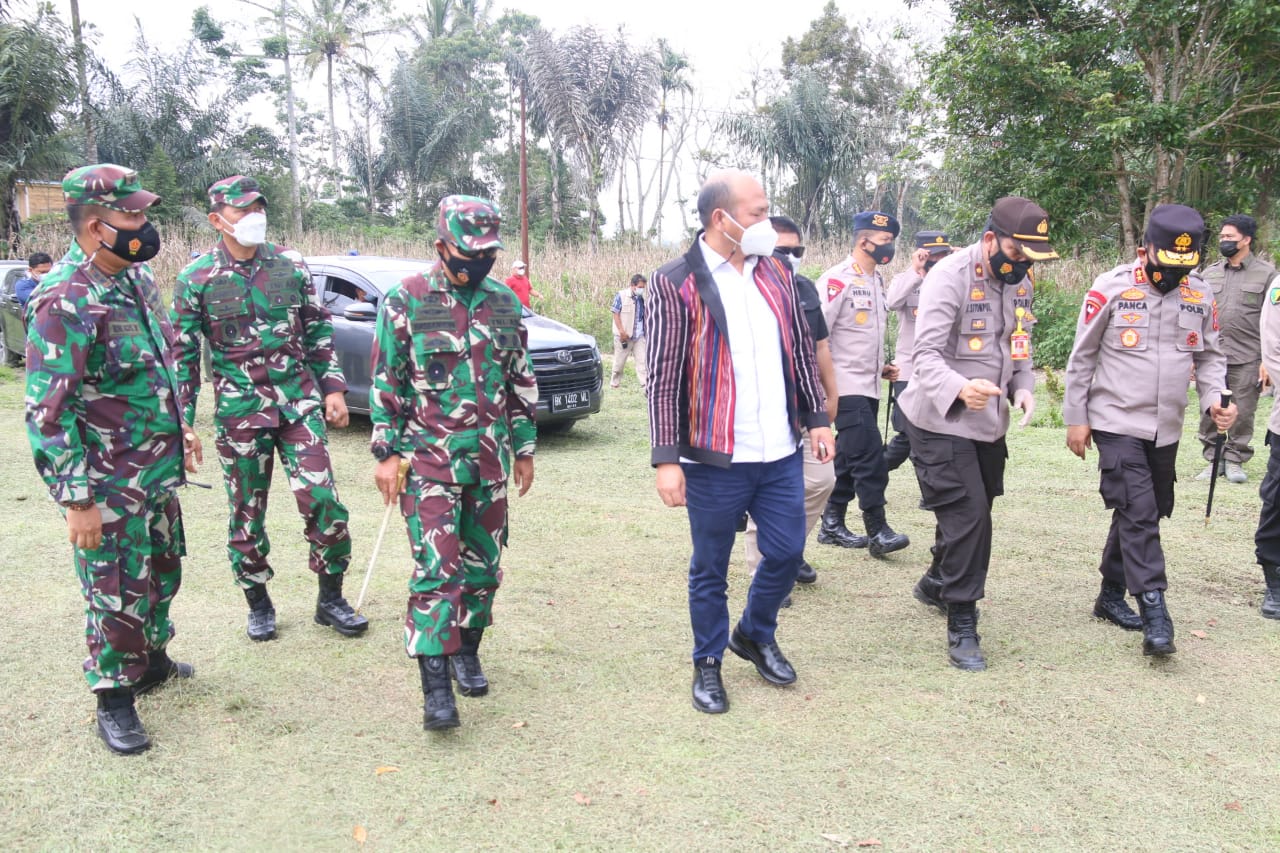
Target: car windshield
[386,277]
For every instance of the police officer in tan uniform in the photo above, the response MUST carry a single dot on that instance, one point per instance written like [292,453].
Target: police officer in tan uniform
[856,316]
[1142,328]
[1267,538]
[1239,282]
[903,297]
[972,354]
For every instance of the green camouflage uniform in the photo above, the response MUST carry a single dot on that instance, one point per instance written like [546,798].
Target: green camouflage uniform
[453,392]
[103,421]
[270,344]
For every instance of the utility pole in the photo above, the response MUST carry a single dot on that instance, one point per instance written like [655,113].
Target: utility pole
[524,187]
[90,136]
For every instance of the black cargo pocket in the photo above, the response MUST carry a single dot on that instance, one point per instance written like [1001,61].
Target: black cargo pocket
[1111,480]
[940,481]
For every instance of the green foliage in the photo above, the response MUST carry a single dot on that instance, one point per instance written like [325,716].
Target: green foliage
[159,176]
[1057,308]
[1051,415]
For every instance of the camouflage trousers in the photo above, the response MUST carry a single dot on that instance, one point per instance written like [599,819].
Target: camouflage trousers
[456,533]
[128,583]
[248,458]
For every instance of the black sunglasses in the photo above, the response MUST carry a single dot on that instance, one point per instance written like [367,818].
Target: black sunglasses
[793,251]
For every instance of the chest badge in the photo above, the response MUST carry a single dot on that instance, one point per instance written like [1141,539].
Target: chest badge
[1193,339]
[860,318]
[975,344]
[1019,341]
[977,294]
[1130,338]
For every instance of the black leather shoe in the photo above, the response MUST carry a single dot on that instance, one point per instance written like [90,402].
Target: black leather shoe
[1157,626]
[1112,607]
[708,690]
[332,609]
[786,602]
[118,723]
[806,574]
[1271,600]
[768,658]
[963,642]
[928,591]
[439,709]
[466,664]
[834,531]
[161,668]
[262,614]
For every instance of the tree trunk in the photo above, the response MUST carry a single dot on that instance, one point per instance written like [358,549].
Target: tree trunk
[1126,204]
[295,187]
[82,80]
[662,188]
[333,128]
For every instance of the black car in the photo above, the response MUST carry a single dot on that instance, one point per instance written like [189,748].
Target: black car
[566,362]
[13,328]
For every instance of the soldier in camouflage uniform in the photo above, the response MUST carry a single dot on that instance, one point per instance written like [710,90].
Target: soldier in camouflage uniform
[271,345]
[103,420]
[453,392]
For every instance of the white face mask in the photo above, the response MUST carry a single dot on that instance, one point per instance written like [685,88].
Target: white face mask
[759,239]
[250,231]
[794,261]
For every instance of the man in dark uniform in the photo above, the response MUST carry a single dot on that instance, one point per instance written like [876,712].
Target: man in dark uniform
[1143,327]
[903,297]
[972,351]
[819,475]
[856,318]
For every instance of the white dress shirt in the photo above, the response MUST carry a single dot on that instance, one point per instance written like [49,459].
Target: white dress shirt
[761,429]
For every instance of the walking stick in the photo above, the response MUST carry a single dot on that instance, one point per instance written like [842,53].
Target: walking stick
[386,517]
[1217,459]
[888,412]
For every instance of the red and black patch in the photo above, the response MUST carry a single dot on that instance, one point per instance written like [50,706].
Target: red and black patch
[1193,339]
[834,288]
[1093,304]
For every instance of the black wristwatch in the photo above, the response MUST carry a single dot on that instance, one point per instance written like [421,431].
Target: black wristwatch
[383,452]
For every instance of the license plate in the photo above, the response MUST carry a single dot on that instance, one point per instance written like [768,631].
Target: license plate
[571,400]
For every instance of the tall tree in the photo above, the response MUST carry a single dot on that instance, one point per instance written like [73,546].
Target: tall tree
[1101,110]
[673,77]
[82,80]
[36,82]
[592,93]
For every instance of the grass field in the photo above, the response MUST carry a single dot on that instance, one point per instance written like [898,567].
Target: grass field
[1071,740]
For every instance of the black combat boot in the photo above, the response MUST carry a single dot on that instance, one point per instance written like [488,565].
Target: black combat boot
[439,711]
[466,664]
[1157,626]
[806,573]
[332,609]
[962,636]
[881,538]
[928,590]
[833,531]
[1112,606]
[161,668]
[262,613]
[118,723]
[1271,601]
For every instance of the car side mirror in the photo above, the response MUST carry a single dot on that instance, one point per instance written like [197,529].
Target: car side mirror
[360,311]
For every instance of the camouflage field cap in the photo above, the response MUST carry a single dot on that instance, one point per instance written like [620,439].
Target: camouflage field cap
[109,185]
[237,191]
[469,222]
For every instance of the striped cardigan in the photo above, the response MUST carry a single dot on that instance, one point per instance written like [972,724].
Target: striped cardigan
[690,385]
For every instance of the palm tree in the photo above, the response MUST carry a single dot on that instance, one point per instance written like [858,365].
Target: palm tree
[330,31]
[672,77]
[36,81]
[592,94]
[810,131]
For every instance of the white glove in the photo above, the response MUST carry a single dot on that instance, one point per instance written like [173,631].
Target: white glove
[1025,400]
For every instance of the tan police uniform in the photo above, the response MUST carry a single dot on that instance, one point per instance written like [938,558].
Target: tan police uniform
[1239,292]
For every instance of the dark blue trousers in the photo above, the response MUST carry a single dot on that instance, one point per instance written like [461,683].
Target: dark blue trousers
[773,492]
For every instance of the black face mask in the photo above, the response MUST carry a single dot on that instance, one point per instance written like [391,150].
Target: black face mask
[1006,269]
[134,245]
[1165,279]
[1229,248]
[469,271]
[882,254]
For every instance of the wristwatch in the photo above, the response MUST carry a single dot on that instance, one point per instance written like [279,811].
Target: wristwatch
[382,452]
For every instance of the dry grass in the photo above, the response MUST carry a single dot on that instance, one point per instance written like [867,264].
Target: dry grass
[1072,740]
